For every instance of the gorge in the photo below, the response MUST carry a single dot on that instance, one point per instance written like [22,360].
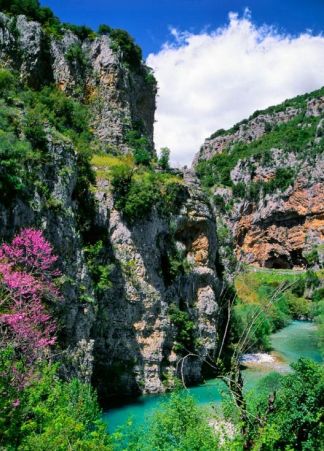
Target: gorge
[161,271]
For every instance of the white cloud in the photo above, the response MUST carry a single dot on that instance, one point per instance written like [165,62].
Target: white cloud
[214,79]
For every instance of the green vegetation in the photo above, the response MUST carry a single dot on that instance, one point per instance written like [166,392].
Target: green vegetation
[33,10]
[294,135]
[282,413]
[184,328]
[141,147]
[270,299]
[137,189]
[132,53]
[27,118]
[164,158]
[98,264]
[291,417]
[283,178]
[48,413]
[76,55]
[179,425]
[121,40]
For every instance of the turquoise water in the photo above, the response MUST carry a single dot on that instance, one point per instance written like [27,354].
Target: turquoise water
[294,341]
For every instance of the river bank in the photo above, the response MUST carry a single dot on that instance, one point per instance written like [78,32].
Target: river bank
[296,340]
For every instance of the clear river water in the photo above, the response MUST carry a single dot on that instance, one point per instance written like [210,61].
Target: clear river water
[296,340]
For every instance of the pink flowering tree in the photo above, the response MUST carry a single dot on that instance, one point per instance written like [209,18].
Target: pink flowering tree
[27,276]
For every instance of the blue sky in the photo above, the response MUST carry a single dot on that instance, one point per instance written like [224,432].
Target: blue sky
[149,20]
[215,61]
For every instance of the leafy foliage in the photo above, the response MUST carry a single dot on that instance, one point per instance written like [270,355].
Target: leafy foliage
[164,158]
[138,189]
[184,327]
[132,53]
[274,298]
[25,130]
[98,264]
[141,147]
[294,135]
[294,420]
[51,414]
[178,425]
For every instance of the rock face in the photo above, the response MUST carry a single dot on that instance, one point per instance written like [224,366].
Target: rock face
[136,344]
[123,336]
[272,223]
[119,98]
[246,131]
[278,230]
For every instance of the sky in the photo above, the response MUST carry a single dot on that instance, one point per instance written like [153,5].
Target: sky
[215,61]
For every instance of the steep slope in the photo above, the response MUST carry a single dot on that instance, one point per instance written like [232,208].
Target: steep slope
[93,68]
[136,245]
[266,177]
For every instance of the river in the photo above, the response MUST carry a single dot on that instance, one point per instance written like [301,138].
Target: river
[296,340]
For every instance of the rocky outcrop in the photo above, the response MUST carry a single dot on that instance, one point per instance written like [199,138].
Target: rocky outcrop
[253,129]
[136,344]
[268,223]
[122,334]
[281,228]
[119,97]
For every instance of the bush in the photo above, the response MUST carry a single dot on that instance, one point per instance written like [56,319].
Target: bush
[76,55]
[141,147]
[33,10]
[132,52]
[52,414]
[104,29]
[164,158]
[299,408]
[15,157]
[179,424]
[257,336]
[184,328]
[81,31]
[7,81]
[284,412]
[34,130]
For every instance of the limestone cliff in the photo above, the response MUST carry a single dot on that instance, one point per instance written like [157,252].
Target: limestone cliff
[91,68]
[267,180]
[125,333]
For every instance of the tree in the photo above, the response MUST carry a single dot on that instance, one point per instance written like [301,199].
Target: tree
[164,158]
[27,283]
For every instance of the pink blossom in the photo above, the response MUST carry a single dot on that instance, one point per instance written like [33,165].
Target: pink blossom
[26,279]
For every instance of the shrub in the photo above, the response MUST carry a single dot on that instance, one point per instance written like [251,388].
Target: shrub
[132,52]
[98,264]
[179,424]
[141,196]
[164,158]
[104,29]
[7,81]
[26,269]
[299,408]
[257,336]
[52,414]
[81,31]
[34,130]
[184,328]
[76,55]
[15,156]
[141,147]
[33,10]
